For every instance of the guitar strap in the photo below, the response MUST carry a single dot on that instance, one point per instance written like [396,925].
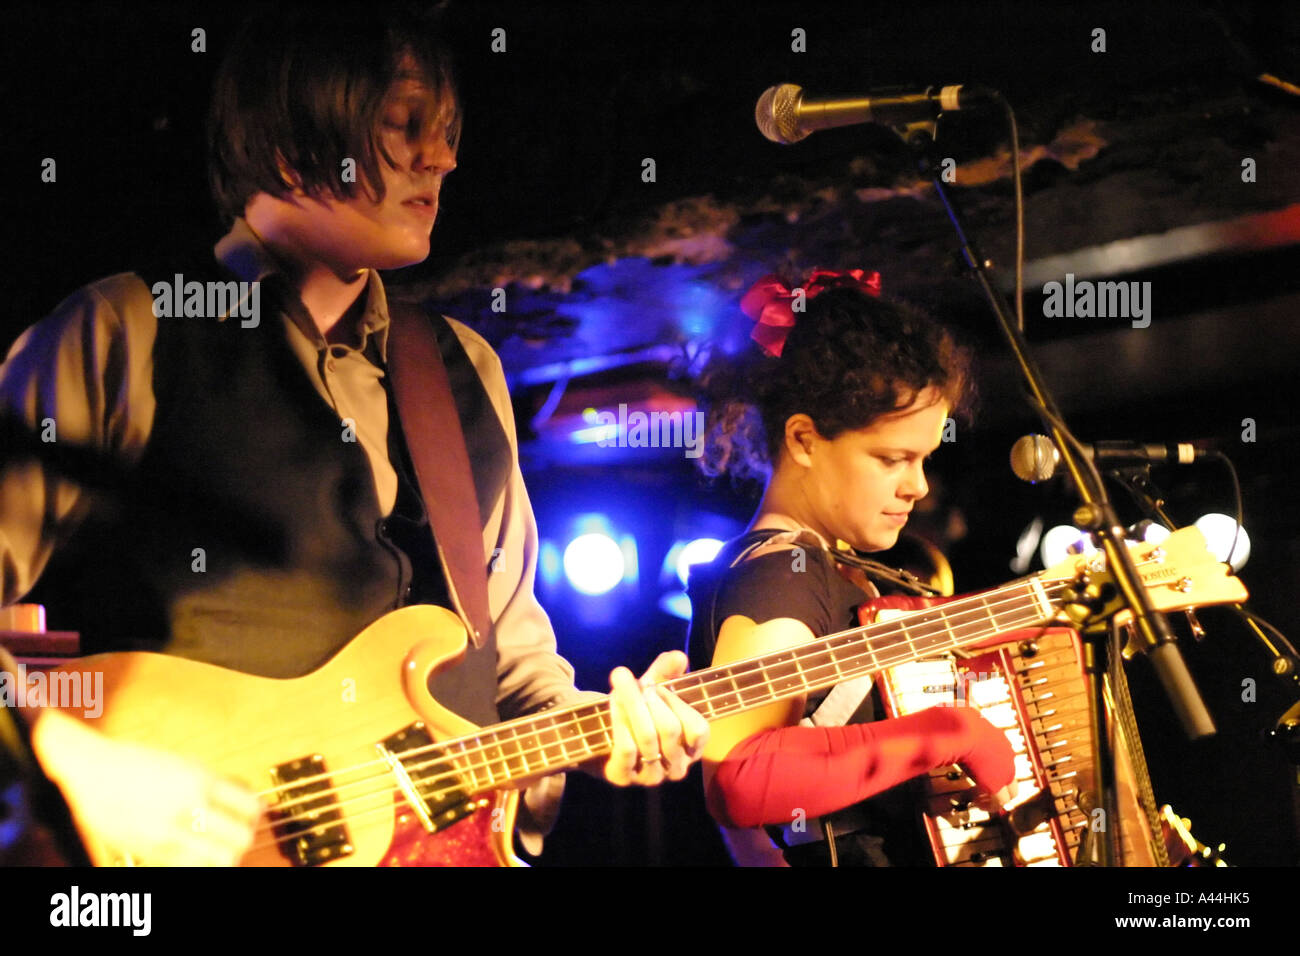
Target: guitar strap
[436,443]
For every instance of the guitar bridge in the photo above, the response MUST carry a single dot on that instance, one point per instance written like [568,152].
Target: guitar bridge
[309,829]
[428,779]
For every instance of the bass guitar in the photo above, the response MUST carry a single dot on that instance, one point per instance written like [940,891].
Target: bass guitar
[358,765]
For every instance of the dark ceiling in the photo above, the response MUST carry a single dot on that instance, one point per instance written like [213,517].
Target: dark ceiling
[1142,138]
[549,201]
[1133,170]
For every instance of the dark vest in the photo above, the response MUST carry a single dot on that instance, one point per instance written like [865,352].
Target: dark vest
[249,535]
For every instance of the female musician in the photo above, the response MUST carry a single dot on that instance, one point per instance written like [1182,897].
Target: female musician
[839,412]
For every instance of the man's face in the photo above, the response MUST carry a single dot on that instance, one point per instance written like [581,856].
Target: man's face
[864,482]
[353,234]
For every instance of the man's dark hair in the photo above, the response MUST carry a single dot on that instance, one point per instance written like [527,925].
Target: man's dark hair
[302,89]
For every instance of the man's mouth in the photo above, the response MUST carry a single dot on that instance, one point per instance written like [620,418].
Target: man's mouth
[426,207]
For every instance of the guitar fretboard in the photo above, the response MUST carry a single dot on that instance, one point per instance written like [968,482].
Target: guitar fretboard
[552,741]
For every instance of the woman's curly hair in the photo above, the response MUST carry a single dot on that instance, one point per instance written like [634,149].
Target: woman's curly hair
[849,359]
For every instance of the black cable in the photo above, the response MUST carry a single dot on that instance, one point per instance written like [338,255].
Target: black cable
[1236,491]
[1047,410]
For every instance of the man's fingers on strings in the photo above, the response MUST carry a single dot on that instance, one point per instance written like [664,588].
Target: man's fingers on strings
[667,752]
[694,733]
[623,756]
[666,666]
[648,768]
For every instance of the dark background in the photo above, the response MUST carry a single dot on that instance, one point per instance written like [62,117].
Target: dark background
[612,280]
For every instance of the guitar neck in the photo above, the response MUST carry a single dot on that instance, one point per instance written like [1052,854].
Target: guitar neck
[552,741]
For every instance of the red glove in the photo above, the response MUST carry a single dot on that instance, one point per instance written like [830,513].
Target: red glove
[819,770]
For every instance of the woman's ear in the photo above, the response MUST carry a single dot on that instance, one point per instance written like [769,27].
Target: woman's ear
[800,437]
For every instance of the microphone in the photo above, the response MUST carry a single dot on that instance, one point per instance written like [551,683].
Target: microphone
[1035,458]
[785,116]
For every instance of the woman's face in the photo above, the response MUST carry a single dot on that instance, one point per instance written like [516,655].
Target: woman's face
[861,485]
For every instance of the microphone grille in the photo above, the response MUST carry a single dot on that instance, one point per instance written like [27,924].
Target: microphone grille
[777,114]
[1034,458]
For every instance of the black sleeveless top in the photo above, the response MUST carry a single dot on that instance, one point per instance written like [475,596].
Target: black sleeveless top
[804,584]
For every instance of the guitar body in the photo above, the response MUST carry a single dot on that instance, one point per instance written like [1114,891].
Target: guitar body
[261,731]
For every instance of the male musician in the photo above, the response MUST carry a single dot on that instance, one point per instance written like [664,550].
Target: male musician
[261,506]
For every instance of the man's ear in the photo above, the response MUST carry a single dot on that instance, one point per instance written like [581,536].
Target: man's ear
[800,437]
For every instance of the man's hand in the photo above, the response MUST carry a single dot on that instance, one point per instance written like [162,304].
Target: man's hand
[655,734]
[153,807]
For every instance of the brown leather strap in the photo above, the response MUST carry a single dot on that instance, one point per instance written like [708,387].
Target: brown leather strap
[436,444]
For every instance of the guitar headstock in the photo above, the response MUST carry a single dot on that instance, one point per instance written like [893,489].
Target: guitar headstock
[1178,573]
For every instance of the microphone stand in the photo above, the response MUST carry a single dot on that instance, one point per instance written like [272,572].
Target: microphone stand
[1095,513]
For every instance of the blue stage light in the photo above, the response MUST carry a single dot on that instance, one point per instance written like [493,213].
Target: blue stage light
[594,563]
[549,563]
[698,551]
[677,604]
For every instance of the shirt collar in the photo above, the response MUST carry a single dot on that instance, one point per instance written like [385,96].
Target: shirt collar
[243,253]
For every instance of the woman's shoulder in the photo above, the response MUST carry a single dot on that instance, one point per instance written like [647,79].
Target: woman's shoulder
[780,576]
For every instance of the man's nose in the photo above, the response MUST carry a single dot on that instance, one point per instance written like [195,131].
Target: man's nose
[435,153]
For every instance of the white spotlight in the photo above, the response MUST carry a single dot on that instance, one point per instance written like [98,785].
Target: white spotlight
[1062,541]
[593,563]
[1219,531]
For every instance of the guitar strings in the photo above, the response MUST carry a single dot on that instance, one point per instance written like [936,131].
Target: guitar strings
[387,805]
[454,775]
[595,710]
[856,663]
[531,725]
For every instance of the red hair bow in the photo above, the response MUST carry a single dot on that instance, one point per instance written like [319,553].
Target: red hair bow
[769,302]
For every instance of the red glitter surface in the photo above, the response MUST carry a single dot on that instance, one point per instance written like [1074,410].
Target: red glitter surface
[466,842]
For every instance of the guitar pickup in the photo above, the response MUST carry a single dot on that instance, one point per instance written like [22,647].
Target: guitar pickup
[427,778]
[306,820]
